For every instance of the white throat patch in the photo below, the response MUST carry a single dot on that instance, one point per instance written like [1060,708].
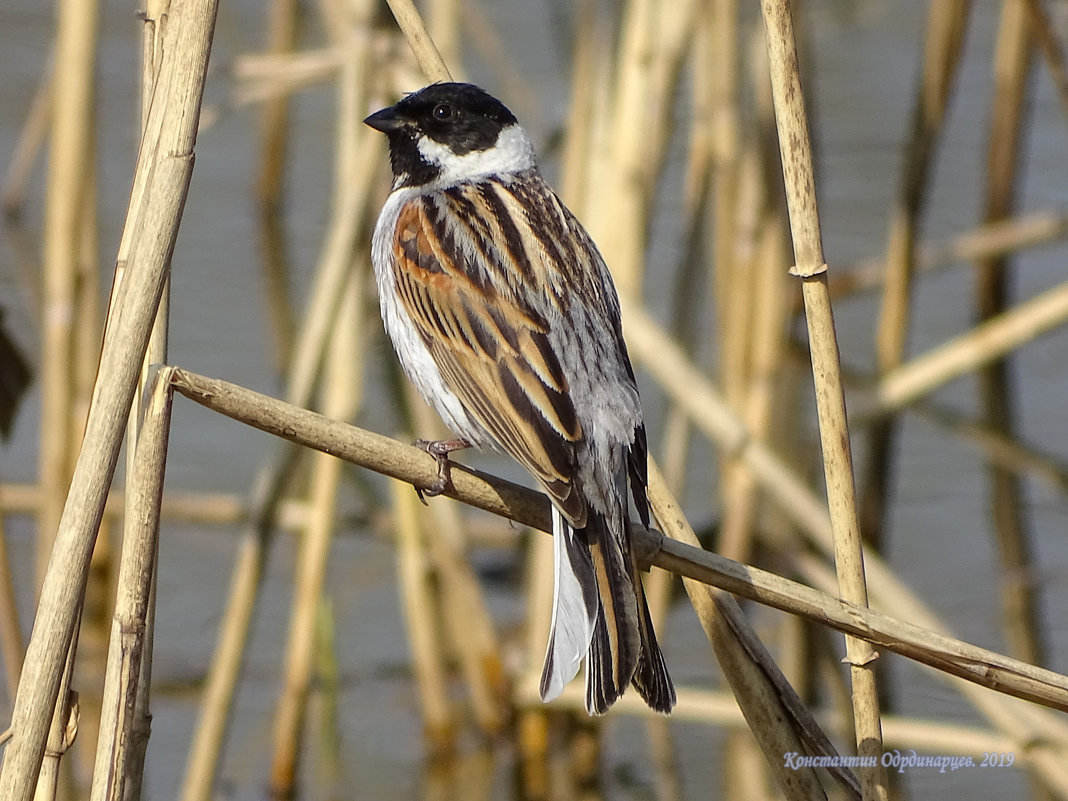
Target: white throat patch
[513,153]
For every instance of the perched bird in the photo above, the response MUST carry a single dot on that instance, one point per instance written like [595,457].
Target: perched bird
[504,316]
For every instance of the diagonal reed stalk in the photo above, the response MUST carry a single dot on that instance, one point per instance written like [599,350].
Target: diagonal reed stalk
[527,507]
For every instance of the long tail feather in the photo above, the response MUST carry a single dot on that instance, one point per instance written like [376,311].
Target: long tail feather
[616,642]
[575,608]
[651,678]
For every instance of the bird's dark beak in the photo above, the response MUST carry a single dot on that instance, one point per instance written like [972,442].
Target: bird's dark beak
[386,120]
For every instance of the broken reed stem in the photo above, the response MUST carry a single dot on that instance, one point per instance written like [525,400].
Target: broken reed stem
[527,507]
[160,184]
[130,632]
[830,397]
[62,729]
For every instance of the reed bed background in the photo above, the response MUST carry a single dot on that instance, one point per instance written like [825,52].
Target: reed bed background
[310,629]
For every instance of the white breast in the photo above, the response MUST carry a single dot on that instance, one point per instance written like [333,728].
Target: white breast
[414,356]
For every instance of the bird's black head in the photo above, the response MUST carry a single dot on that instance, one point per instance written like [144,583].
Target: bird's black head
[432,130]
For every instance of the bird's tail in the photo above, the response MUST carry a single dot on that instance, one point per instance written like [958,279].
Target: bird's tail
[599,609]
[575,608]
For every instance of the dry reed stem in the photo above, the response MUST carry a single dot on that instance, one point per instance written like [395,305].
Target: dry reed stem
[120,756]
[946,24]
[160,184]
[444,28]
[28,147]
[274,116]
[1012,522]
[830,398]
[129,630]
[342,392]
[414,584]
[62,730]
[999,237]
[220,508]
[957,357]
[65,197]
[426,53]
[996,447]
[245,580]
[468,625]
[10,632]
[341,401]
[1044,31]
[621,218]
[777,719]
[352,191]
[527,507]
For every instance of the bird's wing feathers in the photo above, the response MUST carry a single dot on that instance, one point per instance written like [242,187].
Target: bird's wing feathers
[473,294]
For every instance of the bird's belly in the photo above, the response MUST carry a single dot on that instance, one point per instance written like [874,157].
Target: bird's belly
[423,372]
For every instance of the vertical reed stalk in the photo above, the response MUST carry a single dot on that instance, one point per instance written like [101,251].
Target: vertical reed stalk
[122,742]
[830,399]
[340,403]
[10,632]
[352,190]
[61,731]
[428,661]
[274,118]
[342,397]
[130,632]
[946,24]
[66,193]
[1013,69]
[160,185]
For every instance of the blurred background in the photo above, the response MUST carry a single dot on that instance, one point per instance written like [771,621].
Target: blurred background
[701,239]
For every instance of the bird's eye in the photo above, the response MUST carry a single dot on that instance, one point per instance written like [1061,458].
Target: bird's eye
[443,112]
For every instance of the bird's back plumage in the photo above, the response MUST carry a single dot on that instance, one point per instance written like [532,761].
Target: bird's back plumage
[503,313]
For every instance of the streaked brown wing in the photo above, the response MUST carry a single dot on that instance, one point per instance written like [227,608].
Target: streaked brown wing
[492,348]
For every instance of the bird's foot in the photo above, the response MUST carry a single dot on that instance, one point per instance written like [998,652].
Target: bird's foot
[440,450]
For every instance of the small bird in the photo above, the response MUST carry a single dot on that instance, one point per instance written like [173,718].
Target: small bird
[504,316]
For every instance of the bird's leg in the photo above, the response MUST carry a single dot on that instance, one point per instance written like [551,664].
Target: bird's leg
[440,450]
